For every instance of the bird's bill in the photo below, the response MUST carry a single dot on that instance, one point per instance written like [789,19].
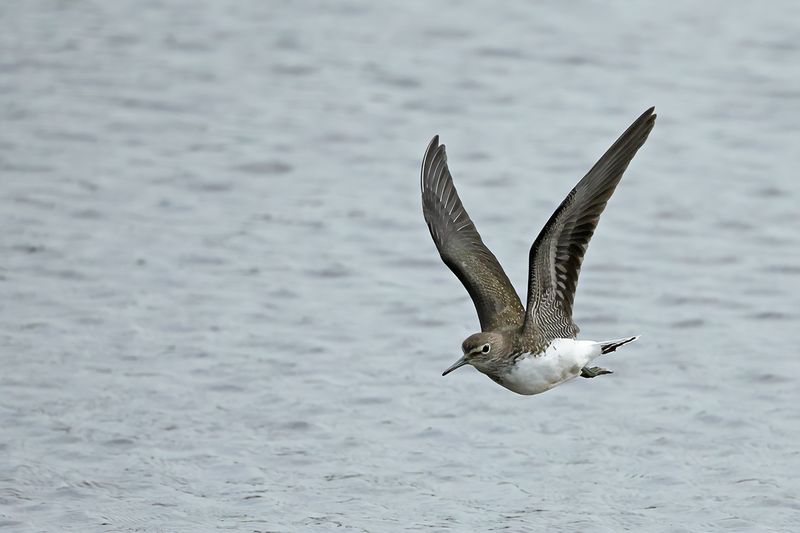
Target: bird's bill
[461,362]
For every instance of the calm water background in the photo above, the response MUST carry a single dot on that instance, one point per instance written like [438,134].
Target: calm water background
[221,308]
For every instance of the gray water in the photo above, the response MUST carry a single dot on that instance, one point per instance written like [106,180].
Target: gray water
[221,308]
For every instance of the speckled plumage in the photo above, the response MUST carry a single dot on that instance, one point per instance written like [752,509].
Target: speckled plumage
[508,331]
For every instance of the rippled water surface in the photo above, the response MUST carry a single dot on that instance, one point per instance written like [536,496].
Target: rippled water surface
[221,308]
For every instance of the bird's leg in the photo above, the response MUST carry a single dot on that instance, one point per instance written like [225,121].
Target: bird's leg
[593,372]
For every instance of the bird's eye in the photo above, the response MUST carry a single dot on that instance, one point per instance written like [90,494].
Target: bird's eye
[486,348]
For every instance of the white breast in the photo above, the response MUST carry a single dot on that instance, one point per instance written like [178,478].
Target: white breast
[561,361]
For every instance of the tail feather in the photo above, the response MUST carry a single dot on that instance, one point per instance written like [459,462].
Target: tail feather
[610,346]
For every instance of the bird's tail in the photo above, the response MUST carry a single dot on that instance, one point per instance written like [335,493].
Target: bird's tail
[610,346]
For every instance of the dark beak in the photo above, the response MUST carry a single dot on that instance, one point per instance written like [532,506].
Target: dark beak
[461,362]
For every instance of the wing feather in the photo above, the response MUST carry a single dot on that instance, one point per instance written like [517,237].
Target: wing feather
[461,247]
[557,254]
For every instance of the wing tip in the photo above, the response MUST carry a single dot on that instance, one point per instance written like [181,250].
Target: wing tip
[650,117]
[427,159]
[434,152]
[432,146]
[640,130]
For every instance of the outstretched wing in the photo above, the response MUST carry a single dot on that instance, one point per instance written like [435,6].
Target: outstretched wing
[461,247]
[556,255]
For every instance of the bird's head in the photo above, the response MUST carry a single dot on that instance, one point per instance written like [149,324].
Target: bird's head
[482,350]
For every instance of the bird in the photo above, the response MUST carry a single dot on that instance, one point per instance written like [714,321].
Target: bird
[533,349]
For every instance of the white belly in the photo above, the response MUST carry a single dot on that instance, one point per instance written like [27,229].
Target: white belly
[561,361]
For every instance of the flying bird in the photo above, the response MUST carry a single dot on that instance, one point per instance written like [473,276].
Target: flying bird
[533,349]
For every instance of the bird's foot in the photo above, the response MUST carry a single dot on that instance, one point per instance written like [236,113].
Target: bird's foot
[593,372]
